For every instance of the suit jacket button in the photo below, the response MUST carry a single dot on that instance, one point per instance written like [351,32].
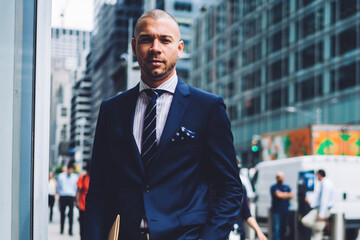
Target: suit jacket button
[147,188]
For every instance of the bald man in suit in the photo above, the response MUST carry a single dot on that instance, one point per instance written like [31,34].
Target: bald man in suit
[160,149]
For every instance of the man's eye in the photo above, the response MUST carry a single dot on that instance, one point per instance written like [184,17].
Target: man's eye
[145,40]
[166,40]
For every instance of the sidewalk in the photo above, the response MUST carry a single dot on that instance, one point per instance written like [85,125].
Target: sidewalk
[54,226]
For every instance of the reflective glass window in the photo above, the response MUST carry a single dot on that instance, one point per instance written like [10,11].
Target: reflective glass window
[347,76]
[275,70]
[308,88]
[233,112]
[251,80]
[276,13]
[347,8]
[277,98]
[251,106]
[347,40]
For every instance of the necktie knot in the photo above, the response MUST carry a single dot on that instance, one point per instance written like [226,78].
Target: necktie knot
[153,94]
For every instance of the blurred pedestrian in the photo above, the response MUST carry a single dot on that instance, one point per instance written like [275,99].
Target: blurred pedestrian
[280,195]
[67,190]
[245,215]
[323,201]
[52,185]
[83,186]
[158,149]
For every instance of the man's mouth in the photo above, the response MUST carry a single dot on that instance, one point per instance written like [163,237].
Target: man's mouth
[155,62]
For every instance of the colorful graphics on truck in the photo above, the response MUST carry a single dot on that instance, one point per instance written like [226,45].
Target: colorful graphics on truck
[312,140]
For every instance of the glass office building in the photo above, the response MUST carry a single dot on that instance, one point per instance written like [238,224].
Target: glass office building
[108,44]
[263,56]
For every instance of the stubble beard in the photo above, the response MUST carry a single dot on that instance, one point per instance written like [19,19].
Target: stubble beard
[158,76]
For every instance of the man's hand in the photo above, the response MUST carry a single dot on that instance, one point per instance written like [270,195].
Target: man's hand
[320,218]
[261,236]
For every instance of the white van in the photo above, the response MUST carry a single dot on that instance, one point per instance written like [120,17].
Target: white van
[343,171]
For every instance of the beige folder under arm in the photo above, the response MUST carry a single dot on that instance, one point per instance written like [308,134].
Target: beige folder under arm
[114,231]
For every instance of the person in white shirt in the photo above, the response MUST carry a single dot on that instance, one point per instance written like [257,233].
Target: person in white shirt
[51,192]
[322,202]
[67,190]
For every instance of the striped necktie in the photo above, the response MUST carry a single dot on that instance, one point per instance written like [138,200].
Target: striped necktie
[149,141]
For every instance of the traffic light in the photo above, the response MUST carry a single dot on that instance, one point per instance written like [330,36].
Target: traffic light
[254,145]
[255,149]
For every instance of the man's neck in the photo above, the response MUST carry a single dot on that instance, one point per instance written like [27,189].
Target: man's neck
[155,83]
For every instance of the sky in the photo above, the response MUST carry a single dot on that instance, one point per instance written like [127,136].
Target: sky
[78,14]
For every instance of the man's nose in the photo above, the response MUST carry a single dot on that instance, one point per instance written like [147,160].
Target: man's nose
[156,46]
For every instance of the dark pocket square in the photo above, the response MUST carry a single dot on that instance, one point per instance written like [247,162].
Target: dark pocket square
[183,134]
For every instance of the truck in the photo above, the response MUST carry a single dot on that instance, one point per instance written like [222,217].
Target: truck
[343,171]
[317,139]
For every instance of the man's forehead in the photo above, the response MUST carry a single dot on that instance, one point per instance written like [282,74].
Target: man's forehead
[164,26]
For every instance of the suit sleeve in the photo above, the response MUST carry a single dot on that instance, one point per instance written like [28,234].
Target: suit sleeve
[224,174]
[245,210]
[94,203]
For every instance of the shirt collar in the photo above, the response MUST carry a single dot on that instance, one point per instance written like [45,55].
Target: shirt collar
[169,85]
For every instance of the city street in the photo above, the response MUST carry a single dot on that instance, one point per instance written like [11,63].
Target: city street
[54,226]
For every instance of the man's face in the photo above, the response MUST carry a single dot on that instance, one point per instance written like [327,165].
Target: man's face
[280,178]
[319,177]
[70,170]
[157,46]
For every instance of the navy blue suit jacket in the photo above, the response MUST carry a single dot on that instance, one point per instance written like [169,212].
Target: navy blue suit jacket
[191,190]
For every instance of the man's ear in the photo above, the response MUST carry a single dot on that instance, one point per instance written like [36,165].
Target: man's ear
[133,46]
[180,48]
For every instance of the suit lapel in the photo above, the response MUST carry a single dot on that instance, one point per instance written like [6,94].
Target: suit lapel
[128,121]
[176,111]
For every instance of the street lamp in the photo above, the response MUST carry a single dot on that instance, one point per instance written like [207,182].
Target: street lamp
[316,118]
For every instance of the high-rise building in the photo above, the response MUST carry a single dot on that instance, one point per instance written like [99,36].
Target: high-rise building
[81,140]
[110,43]
[68,52]
[263,57]
[81,116]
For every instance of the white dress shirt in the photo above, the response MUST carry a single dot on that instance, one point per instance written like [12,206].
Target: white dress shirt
[67,184]
[324,197]
[163,103]
[52,187]
[162,109]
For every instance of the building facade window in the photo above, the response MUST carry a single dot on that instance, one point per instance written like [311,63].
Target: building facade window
[252,54]
[347,76]
[311,23]
[347,40]
[250,6]
[278,69]
[307,2]
[311,55]
[347,8]
[277,98]
[64,112]
[275,42]
[251,80]
[233,112]
[309,88]
[251,106]
[276,13]
[183,6]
